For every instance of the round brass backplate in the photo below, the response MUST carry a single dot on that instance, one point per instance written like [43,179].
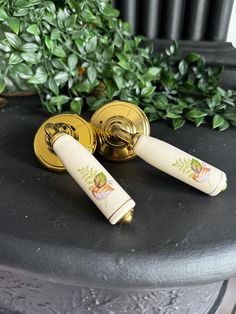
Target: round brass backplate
[125,115]
[82,131]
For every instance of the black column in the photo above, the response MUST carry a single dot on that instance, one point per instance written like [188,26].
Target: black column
[173,17]
[150,13]
[115,3]
[195,19]
[219,18]
[129,12]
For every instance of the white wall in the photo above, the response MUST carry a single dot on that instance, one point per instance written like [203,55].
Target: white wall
[231,37]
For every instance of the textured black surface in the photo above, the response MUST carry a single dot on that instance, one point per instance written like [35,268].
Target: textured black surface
[27,295]
[50,229]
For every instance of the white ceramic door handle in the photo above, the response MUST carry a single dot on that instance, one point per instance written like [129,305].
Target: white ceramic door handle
[181,165]
[93,178]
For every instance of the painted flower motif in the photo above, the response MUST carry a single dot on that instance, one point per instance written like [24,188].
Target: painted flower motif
[97,183]
[101,189]
[193,168]
[201,172]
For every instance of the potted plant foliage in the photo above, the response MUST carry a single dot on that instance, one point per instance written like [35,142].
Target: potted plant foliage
[81,55]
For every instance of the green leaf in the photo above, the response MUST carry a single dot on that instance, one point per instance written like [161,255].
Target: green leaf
[125,65]
[13,40]
[183,67]
[224,126]
[173,47]
[107,53]
[199,121]
[195,113]
[72,61]
[153,73]
[59,64]
[58,51]
[21,12]
[2,85]
[53,86]
[61,15]
[229,102]
[33,29]
[29,47]
[107,9]
[92,74]
[5,48]
[85,86]
[24,71]
[97,103]
[40,77]
[70,22]
[193,57]
[59,100]
[216,100]
[119,81]
[172,115]
[30,57]
[148,91]
[61,77]
[15,58]
[150,110]
[50,6]
[76,105]
[91,45]
[49,43]
[87,15]
[26,3]
[218,120]
[3,15]
[161,102]
[55,34]
[14,24]
[231,117]
[178,123]
[172,50]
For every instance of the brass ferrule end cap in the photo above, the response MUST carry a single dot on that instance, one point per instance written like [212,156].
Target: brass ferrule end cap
[127,219]
[52,133]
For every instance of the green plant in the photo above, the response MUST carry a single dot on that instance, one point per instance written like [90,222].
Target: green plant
[82,54]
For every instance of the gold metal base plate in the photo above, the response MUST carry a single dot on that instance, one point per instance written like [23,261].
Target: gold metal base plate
[127,116]
[82,131]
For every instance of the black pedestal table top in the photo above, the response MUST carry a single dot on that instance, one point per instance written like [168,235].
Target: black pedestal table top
[50,229]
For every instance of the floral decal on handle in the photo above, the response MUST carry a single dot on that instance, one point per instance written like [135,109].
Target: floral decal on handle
[201,172]
[97,182]
[193,168]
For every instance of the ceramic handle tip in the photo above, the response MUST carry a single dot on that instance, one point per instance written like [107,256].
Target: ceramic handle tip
[181,165]
[94,179]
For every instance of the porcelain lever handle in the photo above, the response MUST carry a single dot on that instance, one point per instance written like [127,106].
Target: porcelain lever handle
[115,204]
[181,165]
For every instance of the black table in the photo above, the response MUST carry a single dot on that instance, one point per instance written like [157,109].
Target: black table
[58,252]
